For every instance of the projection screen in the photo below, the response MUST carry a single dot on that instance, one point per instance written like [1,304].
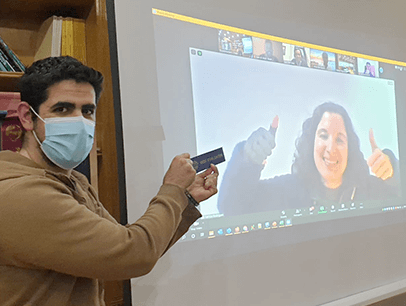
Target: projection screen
[198,76]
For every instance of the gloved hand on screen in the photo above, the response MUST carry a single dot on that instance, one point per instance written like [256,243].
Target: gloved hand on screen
[261,143]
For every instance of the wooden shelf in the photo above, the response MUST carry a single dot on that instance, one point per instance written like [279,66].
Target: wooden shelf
[28,14]
[9,80]
[20,21]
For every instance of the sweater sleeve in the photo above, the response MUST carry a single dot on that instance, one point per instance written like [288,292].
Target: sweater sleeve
[44,227]
[242,191]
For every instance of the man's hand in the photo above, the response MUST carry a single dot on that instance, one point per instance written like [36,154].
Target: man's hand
[205,184]
[261,143]
[180,172]
[379,162]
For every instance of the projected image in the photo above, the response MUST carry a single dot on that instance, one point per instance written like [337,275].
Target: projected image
[322,60]
[328,168]
[368,68]
[235,43]
[268,50]
[347,64]
[295,138]
[296,55]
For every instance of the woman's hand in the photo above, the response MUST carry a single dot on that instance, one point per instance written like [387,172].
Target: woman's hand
[379,162]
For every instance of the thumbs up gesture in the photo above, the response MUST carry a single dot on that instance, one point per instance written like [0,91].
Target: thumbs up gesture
[379,162]
[261,143]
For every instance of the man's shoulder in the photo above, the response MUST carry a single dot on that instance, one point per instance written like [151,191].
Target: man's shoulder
[12,164]
[23,177]
[15,169]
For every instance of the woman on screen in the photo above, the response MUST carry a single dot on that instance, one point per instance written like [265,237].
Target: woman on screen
[328,168]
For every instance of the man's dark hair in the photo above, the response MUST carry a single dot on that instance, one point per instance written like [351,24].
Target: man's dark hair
[44,73]
[304,165]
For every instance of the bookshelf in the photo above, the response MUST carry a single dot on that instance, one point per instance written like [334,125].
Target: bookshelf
[20,21]
[9,80]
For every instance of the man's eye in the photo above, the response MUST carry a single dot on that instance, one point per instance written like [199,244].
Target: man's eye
[88,112]
[61,109]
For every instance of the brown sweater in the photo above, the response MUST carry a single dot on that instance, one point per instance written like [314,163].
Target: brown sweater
[57,242]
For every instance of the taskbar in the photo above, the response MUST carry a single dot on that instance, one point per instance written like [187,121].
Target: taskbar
[218,225]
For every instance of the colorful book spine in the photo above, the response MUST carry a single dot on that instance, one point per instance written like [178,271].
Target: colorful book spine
[11,55]
[2,67]
[67,37]
[79,40]
[4,61]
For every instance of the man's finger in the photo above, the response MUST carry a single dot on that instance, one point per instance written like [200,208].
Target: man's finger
[206,172]
[372,140]
[214,168]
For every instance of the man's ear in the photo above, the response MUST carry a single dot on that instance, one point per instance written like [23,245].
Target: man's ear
[25,116]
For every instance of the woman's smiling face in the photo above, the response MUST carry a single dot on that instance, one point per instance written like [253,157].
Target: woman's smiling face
[331,149]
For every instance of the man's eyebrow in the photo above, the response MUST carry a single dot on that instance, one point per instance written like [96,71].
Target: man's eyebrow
[63,104]
[72,105]
[89,106]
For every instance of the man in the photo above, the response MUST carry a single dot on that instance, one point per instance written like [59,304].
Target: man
[268,55]
[57,242]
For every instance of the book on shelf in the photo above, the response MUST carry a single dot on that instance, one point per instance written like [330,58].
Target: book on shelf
[62,36]
[74,38]
[49,38]
[11,128]
[4,65]
[11,57]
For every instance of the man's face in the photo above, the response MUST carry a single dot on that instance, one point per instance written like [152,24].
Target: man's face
[331,149]
[268,48]
[67,99]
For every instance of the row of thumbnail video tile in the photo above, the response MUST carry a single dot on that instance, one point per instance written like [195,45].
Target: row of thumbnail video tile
[275,51]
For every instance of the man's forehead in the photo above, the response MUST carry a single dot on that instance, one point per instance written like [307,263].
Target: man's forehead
[67,87]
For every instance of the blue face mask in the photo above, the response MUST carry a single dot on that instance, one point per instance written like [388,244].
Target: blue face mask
[68,141]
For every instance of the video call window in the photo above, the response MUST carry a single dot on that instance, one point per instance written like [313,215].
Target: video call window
[275,85]
[247,105]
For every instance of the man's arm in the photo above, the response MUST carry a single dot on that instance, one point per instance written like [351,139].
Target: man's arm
[45,227]
[51,230]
